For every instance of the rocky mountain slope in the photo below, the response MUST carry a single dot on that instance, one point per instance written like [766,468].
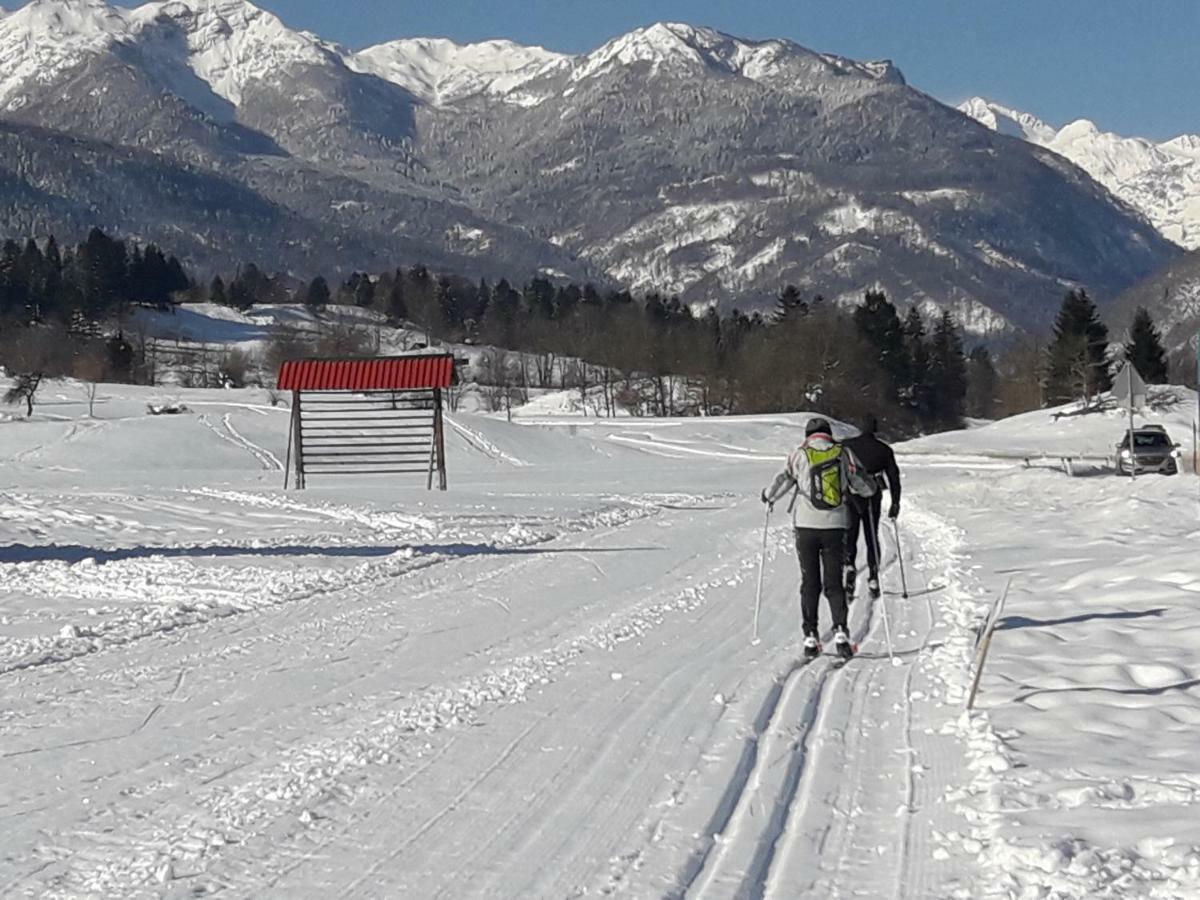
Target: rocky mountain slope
[674,158]
[1160,180]
[1172,296]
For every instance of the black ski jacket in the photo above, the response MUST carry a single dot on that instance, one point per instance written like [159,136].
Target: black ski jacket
[878,459]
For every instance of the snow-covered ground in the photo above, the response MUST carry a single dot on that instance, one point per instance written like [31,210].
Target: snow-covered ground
[541,683]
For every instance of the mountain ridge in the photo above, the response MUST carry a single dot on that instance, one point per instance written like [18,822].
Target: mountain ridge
[674,157]
[1159,179]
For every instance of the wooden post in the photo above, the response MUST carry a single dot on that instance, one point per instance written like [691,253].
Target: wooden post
[439,438]
[287,465]
[986,643]
[298,436]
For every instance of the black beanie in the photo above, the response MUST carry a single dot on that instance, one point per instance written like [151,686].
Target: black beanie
[818,425]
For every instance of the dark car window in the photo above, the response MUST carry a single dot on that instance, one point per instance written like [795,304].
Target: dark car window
[1152,439]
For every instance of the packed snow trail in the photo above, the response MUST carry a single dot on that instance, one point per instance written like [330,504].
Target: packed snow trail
[538,684]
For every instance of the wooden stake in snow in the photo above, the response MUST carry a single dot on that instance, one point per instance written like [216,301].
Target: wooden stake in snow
[985,643]
[762,560]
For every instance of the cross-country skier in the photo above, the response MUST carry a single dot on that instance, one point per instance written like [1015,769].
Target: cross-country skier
[823,473]
[879,463]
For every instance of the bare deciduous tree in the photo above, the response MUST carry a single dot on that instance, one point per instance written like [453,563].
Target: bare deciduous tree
[91,367]
[23,390]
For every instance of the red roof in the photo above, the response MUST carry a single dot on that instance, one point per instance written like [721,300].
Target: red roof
[384,373]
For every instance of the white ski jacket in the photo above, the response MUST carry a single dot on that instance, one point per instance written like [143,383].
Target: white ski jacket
[796,477]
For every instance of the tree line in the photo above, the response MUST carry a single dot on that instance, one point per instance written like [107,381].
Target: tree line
[649,354]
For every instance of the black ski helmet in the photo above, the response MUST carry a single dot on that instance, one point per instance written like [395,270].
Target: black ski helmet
[818,425]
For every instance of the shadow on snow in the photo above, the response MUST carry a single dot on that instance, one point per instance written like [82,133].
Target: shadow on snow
[75,553]
[1011,623]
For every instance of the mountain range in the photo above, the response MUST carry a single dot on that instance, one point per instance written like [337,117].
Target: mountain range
[672,158]
[1160,180]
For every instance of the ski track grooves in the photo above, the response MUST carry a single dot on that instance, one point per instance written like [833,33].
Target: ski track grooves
[268,460]
[795,785]
[704,872]
[735,790]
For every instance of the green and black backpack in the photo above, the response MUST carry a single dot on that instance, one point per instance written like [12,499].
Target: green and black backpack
[825,488]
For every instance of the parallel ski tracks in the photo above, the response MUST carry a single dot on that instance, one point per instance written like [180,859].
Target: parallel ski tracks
[719,866]
[230,435]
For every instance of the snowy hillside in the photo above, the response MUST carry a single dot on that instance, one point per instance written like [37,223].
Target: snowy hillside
[541,683]
[1160,180]
[440,71]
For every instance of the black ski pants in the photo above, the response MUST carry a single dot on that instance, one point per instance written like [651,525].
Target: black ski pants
[864,514]
[821,551]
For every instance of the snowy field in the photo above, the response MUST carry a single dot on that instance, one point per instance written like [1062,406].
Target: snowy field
[541,683]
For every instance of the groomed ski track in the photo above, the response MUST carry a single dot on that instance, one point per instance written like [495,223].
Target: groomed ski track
[570,709]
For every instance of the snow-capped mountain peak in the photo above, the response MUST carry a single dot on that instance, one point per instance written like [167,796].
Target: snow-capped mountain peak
[231,42]
[46,37]
[1007,121]
[226,42]
[441,71]
[673,46]
[663,43]
[1185,145]
[1161,180]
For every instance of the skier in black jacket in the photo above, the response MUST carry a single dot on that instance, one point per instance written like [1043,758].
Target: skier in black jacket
[879,462]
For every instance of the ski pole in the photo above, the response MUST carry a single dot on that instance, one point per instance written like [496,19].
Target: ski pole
[874,537]
[762,561]
[900,559]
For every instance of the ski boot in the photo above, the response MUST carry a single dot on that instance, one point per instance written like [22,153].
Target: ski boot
[812,647]
[873,586]
[849,577]
[841,643]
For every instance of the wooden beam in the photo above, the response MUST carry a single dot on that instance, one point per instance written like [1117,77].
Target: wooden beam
[439,437]
[298,419]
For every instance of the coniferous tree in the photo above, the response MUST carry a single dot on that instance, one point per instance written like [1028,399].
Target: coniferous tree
[239,295]
[103,265]
[421,298]
[397,308]
[947,373]
[483,299]
[52,299]
[450,307]
[501,322]
[1145,349]
[217,292]
[789,304]
[31,269]
[879,324]
[364,292]
[176,278]
[539,298]
[14,294]
[252,287]
[1078,357]
[316,296]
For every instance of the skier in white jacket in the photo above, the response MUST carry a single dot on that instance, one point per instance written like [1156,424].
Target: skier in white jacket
[821,472]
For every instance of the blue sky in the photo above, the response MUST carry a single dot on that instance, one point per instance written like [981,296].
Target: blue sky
[1132,67]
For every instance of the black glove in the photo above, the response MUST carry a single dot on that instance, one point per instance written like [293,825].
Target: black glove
[894,512]
[764,497]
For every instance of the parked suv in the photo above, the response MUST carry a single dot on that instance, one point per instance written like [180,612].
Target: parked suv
[1153,451]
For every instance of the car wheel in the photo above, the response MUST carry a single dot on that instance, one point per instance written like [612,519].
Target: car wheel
[1172,469]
